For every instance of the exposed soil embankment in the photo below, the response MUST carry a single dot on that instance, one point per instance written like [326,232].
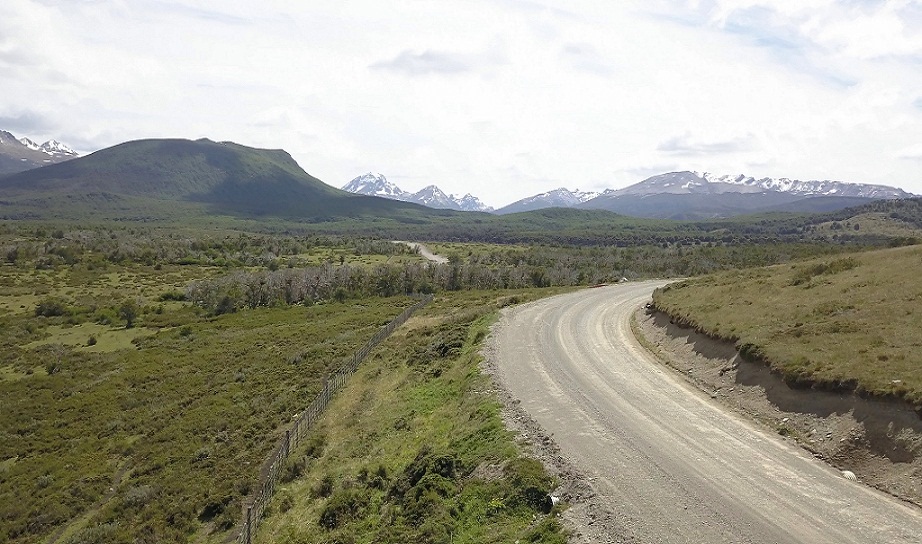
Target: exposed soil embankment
[879,440]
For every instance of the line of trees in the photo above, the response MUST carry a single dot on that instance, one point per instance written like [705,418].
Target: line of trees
[540,266]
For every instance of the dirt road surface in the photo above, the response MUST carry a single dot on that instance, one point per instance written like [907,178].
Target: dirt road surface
[667,463]
[424,251]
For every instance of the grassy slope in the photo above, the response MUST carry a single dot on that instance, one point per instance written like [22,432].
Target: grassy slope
[156,180]
[419,399]
[844,323]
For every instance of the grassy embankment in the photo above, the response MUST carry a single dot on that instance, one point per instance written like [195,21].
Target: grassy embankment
[847,323]
[414,450]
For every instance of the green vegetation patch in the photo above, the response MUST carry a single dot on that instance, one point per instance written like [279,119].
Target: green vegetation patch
[414,449]
[91,337]
[844,323]
[175,413]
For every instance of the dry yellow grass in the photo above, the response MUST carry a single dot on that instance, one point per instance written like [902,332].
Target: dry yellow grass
[848,322]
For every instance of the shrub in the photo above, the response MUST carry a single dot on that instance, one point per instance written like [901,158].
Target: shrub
[315,445]
[324,487]
[530,483]
[105,316]
[51,307]
[100,534]
[344,505]
[286,501]
[294,468]
[177,296]
[548,531]
[138,496]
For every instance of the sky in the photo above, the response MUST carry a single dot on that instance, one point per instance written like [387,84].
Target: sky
[502,99]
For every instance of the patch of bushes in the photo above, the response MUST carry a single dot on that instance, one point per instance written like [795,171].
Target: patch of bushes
[342,506]
[105,533]
[51,307]
[807,273]
[530,483]
[176,296]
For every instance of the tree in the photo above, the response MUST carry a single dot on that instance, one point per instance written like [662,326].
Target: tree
[129,312]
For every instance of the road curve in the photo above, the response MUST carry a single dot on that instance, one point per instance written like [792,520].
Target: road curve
[669,463]
[424,251]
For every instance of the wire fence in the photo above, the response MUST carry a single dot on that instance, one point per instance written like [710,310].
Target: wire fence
[272,468]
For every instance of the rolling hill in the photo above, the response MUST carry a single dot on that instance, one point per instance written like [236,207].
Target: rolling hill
[172,178]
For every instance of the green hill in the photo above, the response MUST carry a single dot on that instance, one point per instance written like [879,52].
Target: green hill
[842,323]
[172,178]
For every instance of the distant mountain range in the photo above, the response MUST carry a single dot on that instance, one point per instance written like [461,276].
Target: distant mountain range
[674,195]
[21,154]
[431,196]
[701,195]
[175,177]
[707,183]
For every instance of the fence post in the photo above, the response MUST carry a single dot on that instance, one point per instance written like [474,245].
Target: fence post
[249,523]
[287,442]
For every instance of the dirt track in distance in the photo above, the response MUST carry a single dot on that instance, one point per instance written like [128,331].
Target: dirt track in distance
[661,461]
[426,254]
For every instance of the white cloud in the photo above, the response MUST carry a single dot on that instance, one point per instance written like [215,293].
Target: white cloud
[427,62]
[912,153]
[685,144]
[499,98]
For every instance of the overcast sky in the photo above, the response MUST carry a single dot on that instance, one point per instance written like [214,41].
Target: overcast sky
[499,98]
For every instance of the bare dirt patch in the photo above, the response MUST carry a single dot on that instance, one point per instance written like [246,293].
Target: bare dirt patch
[880,441]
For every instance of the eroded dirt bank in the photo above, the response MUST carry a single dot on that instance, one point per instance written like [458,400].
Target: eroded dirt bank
[879,441]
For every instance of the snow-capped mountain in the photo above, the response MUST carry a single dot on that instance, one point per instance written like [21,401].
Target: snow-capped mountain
[21,154]
[707,183]
[55,148]
[471,203]
[558,198]
[701,195]
[434,197]
[377,185]
[30,144]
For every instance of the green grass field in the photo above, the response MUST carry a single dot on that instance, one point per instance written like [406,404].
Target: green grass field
[414,450]
[849,322]
[190,411]
[156,432]
[181,407]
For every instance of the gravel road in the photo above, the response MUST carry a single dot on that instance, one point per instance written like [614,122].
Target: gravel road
[667,463]
[424,251]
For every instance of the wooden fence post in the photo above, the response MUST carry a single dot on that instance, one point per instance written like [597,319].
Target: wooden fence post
[249,522]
